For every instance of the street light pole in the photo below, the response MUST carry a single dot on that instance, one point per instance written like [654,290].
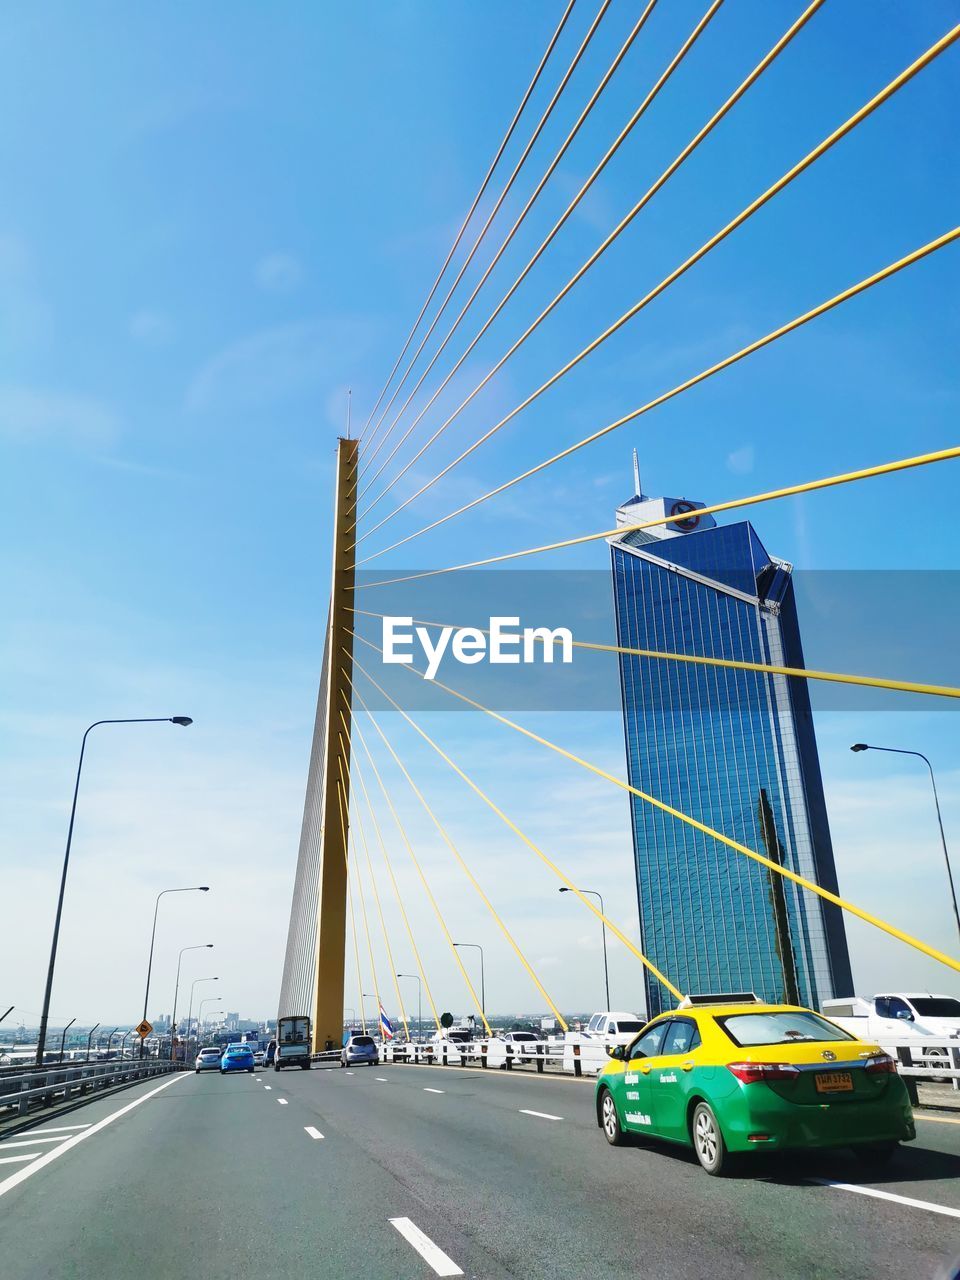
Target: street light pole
[48,989]
[603,926]
[190,1011]
[205,1000]
[900,751]
[419,1003]
[89,1038]
[201,946]
[110,1039]
[123,1042]
[63,1038]
[483,996]
[193,888]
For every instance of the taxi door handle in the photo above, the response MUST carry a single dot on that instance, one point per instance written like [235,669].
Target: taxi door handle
[688,1066]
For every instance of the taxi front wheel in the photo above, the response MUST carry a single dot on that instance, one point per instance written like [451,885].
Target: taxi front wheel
[610,1121]
[708,1141]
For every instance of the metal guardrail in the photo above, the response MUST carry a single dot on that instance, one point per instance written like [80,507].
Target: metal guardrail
[43,1087]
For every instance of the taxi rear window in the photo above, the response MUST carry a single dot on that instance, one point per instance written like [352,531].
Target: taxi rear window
[748,1030]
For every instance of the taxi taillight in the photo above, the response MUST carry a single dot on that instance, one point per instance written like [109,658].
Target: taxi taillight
[881,1065]
[755,1072]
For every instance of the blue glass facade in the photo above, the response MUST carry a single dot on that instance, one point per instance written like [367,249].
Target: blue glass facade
[734,749]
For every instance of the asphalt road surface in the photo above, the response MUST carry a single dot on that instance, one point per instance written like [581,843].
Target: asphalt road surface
[398,1171]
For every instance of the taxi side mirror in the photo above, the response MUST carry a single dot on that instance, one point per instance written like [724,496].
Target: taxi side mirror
[616,1051]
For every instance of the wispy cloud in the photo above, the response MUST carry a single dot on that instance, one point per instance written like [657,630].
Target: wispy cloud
[279,273]
[34,414]
[275,365]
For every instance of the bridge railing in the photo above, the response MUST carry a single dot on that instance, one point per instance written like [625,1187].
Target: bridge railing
[23,1093]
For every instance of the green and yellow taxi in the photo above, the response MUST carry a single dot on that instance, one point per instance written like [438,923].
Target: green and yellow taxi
[730,1076]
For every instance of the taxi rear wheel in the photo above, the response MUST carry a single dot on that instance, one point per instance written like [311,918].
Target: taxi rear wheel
[708,1141]
[610,1121]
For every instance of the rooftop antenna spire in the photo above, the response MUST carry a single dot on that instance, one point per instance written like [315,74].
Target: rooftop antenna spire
[636,474]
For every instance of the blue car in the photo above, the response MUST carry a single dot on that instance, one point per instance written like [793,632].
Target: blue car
[237,1057]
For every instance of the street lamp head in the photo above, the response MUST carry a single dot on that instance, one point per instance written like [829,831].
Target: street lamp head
[208,945]
[860,746]
[563,890]
[181,720]
[204,888]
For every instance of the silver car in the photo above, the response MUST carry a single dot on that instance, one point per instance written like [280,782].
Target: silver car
[359,1049]
[208,1060]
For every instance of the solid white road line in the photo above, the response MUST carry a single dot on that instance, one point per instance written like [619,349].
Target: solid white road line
[65,1128]
[314,1133]
[18,1159]
[29,1142]
[430,1252]
[433,1091]
[282,1101]
[889,1195]
[541,1115]
[22,1174]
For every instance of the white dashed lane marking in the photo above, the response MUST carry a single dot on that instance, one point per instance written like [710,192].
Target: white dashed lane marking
[430,1252]
[19,1159]
[541,1115]
[282,1101]
[314,1133]
[65,1128]
[431,1091]
[382,1079]
[31,1143]
[889,1195]
[268,1087]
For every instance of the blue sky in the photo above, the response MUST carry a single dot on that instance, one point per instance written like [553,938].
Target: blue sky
[215,221]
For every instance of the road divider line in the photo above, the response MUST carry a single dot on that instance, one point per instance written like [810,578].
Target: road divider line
[18,1159]
[55,1152]
[381,1079]
[29,1142]
[282,1101]
[930,1207]
[314,1133]
[936,1119]
[430,1252]
[268,1087]
[65,1128]
[432,1091]
[541,1115]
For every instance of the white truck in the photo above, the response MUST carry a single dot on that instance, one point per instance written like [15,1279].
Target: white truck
[901,1018]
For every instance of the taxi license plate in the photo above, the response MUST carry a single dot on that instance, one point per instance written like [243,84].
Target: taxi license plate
[833,1082]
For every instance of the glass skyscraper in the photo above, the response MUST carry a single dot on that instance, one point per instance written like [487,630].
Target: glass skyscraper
[734,749]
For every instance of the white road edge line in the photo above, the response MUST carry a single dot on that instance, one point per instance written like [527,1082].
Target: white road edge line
[541,1115]
[282,1101]
[314,1133]
[430,1252]
[429,1091]
[65,1128]
[889,1195]
[30,1142]
[22,1174]
[18,1159]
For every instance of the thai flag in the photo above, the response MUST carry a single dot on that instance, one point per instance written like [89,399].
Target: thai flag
[386,1027]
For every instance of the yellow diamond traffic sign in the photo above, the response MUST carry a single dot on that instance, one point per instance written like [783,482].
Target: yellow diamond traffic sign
[144,1029]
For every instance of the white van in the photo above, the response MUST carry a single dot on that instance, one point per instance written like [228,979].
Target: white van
[614,1028]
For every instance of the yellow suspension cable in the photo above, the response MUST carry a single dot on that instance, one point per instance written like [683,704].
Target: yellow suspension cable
[837,901]
[363,903]
[602,248]
[604,6]
[477,198]
[547,861]
[383,922]
[766,668]
[459,857]
[551,168]
[433,902]
[789,491]
[353,915]
[397,895]
[782,182]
